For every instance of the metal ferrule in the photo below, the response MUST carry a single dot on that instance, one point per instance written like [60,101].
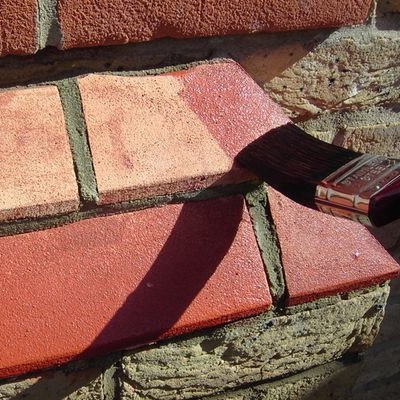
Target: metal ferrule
[348,191]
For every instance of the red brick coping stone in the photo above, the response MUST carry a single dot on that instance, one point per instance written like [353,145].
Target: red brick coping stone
[101,281]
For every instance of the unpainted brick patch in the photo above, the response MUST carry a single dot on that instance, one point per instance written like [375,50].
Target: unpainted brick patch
[26,26]
[102,23]
[18,31]
[37,175]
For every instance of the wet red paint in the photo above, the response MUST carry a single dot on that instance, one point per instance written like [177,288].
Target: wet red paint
[324,255]
[114,282]
[231,104]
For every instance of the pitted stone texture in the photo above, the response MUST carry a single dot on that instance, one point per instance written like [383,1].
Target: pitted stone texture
[37,175]
[108,283]
[253,350]
[323,255]
[18,27]
[378,139]
[349,69]
[93,23]
[89,384]
[333,381]
[152,135]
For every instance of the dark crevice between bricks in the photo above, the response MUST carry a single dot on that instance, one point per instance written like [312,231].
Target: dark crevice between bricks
[77,132]
[14,227]
[50,64]
[267,239]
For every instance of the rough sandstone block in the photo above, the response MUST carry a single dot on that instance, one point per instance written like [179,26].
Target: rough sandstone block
[260,348]
[333,381]
[378,139]
[348,69]
[89,384]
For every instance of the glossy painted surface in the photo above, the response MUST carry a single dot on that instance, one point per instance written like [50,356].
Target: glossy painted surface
[37,174]
[116,282]
[325,255]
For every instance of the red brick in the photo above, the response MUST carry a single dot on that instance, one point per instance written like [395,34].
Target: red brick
[324,255]
[37,175]
[113,282]
[18,27]
[174,132]
[92,23]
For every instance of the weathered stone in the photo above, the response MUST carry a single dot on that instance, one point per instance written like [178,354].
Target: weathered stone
[90,384]
[376,139]
[352,68]
[333,381]
[334,126]
[380,372]
[253,350]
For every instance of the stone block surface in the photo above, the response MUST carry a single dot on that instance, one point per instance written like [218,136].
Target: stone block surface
[94,23]
[376,139]
[348,69]
[89,384]
[37,174]
[253,350]
[108,283]
[332,381]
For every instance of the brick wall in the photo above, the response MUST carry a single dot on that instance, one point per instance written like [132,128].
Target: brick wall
[89,211]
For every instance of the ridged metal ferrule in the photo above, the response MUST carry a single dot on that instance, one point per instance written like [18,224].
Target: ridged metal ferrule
[348,191]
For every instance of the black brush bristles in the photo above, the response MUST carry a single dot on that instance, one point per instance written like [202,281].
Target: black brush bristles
[293,162]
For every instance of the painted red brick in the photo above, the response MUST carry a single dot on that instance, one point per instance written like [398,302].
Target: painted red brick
[37,175]
[92,23]
[18,27]
[175,132]
[113,282]
[324,255]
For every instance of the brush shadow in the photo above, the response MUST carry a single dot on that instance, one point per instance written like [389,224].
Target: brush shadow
[199,240]
[201,236]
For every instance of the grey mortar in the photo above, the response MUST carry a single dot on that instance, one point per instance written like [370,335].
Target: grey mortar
[264,229]
[77,131]
[48,25]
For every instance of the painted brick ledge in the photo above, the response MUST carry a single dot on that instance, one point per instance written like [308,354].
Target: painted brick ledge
[27,26]
[120,281]
[223,358]
[80,258]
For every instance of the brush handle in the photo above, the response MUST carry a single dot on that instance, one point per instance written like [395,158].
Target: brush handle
[367,190]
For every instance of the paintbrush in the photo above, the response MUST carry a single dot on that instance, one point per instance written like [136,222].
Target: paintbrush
[334,180]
